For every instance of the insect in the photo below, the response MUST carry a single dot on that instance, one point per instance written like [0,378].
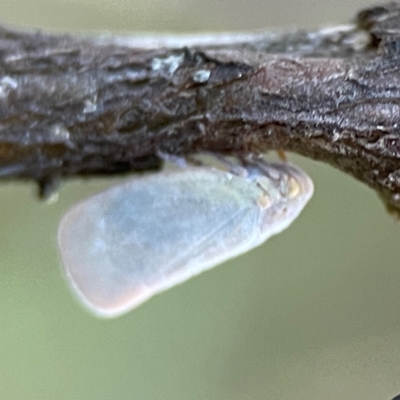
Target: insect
[132,241]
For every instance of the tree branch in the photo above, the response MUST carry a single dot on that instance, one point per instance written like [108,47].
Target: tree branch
[109,104]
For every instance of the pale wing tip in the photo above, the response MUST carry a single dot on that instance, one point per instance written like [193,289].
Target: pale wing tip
[102,307]
[102,296]
[102,299]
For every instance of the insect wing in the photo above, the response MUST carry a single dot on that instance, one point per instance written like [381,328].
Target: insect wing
[124,245]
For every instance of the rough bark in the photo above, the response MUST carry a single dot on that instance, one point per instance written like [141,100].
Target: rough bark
[109,104]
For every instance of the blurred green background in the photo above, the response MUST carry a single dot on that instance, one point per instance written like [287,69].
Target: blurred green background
[312,314]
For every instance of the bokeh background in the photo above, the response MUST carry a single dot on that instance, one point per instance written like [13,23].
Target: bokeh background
[312,314]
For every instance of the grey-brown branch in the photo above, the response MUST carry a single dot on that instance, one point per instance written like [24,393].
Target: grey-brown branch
[109,104]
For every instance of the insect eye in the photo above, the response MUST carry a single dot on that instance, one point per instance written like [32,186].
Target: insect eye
[290,188]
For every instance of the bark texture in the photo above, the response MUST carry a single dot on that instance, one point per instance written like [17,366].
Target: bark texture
[109,104]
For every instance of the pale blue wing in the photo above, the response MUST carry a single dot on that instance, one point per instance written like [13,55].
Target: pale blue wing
[124,245]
